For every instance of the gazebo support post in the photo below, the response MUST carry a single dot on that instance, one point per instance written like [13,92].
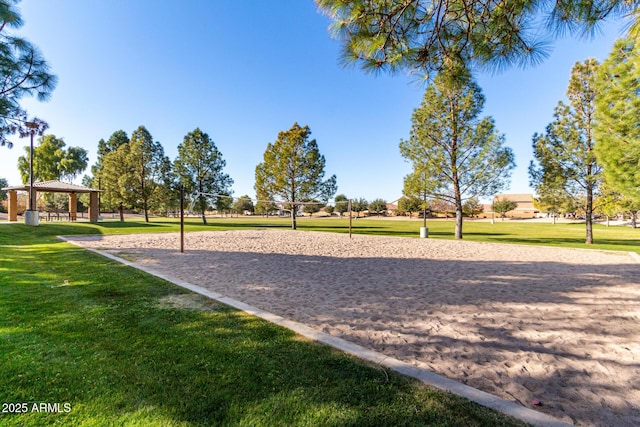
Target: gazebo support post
[93,206]
[73,206]
[13,205]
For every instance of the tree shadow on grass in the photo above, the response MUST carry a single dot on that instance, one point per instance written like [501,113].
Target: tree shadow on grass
[567,242]
[130,224]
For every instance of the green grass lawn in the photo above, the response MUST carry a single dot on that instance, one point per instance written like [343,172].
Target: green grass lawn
[516,232]
[116,346]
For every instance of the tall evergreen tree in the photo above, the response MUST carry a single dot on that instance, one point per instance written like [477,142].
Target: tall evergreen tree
[293,169]
[24,73]
[97,176]
[430,35]
[145,159]
[116,139]
[199,167]
[564,156]
[166,196]
[617,115]
[117,181]
[462,155]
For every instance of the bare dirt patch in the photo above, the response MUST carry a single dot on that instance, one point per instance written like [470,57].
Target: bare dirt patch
[188,301]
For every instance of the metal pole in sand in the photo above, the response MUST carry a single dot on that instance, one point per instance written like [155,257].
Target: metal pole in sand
[349,218]
[182,219]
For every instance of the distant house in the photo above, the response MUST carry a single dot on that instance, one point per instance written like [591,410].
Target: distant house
[524,209]
[392,207]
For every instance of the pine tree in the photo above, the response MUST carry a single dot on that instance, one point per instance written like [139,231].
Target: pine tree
[293,169]
[117,181]
[428,36]
[116,139]
[617,113]
[564,157]
[199,168]
[145,159]
[24,73]
[460,155]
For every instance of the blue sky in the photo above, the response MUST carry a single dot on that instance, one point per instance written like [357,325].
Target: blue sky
[242,72]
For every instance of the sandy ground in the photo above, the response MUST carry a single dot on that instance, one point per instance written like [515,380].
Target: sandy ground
[524,323]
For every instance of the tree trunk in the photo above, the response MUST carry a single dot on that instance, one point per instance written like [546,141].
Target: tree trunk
[458,220]
[589,216]
[121,209]
[146,211]
[633,219]
[144,197]
[203,209]
[458,201]
[293,217]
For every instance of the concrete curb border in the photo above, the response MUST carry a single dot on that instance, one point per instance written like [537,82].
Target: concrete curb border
[635,256]
[483,398]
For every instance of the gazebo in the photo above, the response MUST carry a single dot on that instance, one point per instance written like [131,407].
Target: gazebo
[56,187]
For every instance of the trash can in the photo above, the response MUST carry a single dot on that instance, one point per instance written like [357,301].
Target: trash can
[424,232]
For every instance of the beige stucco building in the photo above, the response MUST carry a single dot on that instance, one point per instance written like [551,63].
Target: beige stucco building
[524,209]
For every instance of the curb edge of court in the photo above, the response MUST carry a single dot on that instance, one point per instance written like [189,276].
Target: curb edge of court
[432,379]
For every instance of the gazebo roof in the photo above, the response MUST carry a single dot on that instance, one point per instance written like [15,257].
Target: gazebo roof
[54,187]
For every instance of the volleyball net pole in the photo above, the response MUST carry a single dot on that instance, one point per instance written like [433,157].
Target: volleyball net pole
[349,218]
[182,219]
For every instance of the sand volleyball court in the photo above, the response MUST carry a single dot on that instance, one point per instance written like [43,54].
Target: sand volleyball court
[560,326]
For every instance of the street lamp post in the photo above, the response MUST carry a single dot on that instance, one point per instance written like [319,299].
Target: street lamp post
[31,218]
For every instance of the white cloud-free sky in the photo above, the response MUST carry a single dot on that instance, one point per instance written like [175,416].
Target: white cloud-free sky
[243,71]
